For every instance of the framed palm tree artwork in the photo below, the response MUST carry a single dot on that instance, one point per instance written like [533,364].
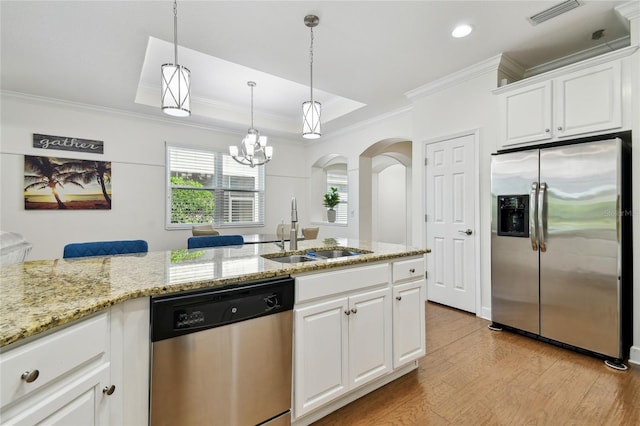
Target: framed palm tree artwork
[52,183]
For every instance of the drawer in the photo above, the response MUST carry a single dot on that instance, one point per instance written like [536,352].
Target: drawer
[52,356]
[405,270]
[330,283]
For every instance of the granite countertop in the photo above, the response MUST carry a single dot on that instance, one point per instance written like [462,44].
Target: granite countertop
[38,295]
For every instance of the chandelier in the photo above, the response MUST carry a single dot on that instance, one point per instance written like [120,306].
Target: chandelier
[176,80]
[253,150]
[311,109]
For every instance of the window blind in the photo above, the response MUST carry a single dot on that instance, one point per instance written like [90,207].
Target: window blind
[337,177]
[210,187]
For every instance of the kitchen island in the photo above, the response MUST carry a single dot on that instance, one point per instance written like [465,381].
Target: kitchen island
[40,296]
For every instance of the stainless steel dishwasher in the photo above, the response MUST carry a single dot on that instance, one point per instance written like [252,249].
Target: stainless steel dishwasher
[223,356]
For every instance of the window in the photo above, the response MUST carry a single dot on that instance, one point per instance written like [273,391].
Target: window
[210,187]
[337,177]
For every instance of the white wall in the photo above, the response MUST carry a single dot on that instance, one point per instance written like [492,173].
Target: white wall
[467,106]
[136,147]
[390,204]
[350,144]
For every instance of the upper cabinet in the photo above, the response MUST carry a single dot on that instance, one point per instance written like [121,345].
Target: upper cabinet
[578,100]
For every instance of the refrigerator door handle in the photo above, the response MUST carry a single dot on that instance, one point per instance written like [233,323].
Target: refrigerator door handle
[533,216]
[542,215]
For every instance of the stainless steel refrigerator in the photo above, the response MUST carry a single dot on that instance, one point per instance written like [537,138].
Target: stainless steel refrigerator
[561,242]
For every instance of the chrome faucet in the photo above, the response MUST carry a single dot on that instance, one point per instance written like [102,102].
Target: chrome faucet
[293,234]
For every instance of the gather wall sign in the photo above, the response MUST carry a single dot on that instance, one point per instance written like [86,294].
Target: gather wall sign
[66,143]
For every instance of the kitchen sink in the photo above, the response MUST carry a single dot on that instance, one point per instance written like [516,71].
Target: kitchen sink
[330,254]
[294,258]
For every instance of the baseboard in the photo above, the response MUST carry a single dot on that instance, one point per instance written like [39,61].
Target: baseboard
[485,313]
[634,355]
[321,412]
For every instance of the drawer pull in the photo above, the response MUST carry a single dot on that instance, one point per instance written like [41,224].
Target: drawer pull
[354,310]
[108,390]
[398,297]
[412,270]
[30,376]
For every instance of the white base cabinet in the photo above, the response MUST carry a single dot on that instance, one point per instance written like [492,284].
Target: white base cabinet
[353,328]
[409,297]
[62,378]
[408,322]
[341,342]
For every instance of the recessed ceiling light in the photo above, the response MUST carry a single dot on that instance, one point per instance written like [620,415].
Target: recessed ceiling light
[462,31]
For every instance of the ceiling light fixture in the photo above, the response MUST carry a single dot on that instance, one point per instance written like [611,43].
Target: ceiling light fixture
[253,149]
[176,80]
[311,109]
[461,31]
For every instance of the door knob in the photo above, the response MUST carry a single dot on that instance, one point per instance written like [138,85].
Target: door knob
[466,231]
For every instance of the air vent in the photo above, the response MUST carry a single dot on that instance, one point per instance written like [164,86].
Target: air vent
[554,11]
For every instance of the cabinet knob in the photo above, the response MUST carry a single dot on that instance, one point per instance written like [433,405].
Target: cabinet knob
[559,127]
[412,270]
[354,310]
[547,130]
[108,390]
[398,297]
[30,376]
[347,312]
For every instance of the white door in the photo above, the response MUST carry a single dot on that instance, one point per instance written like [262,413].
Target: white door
[450,205]
[320,353]
[408,322]
[369,336]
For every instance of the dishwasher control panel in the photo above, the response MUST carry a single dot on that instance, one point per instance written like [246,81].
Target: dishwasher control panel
[193,311]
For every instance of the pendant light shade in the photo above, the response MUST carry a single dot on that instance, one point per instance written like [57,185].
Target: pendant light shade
[176,80]
[311,109]
[176,88]
[253,150]
[311,120]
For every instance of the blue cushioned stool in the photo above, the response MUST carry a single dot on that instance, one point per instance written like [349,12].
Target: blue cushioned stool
[215,241]
[105,248]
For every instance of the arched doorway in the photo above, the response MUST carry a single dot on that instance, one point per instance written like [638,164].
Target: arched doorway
[385,185]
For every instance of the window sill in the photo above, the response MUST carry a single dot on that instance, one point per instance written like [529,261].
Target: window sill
[344,225]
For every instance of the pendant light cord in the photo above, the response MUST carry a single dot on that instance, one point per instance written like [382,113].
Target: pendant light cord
[175,31]
[251,85]
[311,62]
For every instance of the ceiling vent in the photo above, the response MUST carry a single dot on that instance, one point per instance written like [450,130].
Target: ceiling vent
[553,11]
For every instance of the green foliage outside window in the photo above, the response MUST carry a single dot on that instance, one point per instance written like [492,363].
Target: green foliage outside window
[190,205]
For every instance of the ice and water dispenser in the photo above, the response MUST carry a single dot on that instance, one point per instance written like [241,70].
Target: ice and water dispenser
[513,215]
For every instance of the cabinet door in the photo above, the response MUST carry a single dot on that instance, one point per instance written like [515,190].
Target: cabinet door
[588,101]
[526,114]
[408,322]
[80,402]
[321,343]
[369,336]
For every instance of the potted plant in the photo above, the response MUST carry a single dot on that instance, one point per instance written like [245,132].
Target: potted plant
[331,199]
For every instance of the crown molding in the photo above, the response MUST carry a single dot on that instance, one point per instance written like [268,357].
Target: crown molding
[629,10]
[365,123]
[582,55]
[465,74]
[129,114]
[607,57]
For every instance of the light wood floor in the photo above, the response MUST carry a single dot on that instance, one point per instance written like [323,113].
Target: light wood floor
[472,376]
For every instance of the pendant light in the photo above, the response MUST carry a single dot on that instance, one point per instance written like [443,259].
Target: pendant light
[311,109]
[176,80]
[253,149]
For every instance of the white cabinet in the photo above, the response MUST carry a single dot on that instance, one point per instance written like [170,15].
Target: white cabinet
[409,297]
[61,378]
[369,336]
[582,102]
[320,354]
[340,342]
